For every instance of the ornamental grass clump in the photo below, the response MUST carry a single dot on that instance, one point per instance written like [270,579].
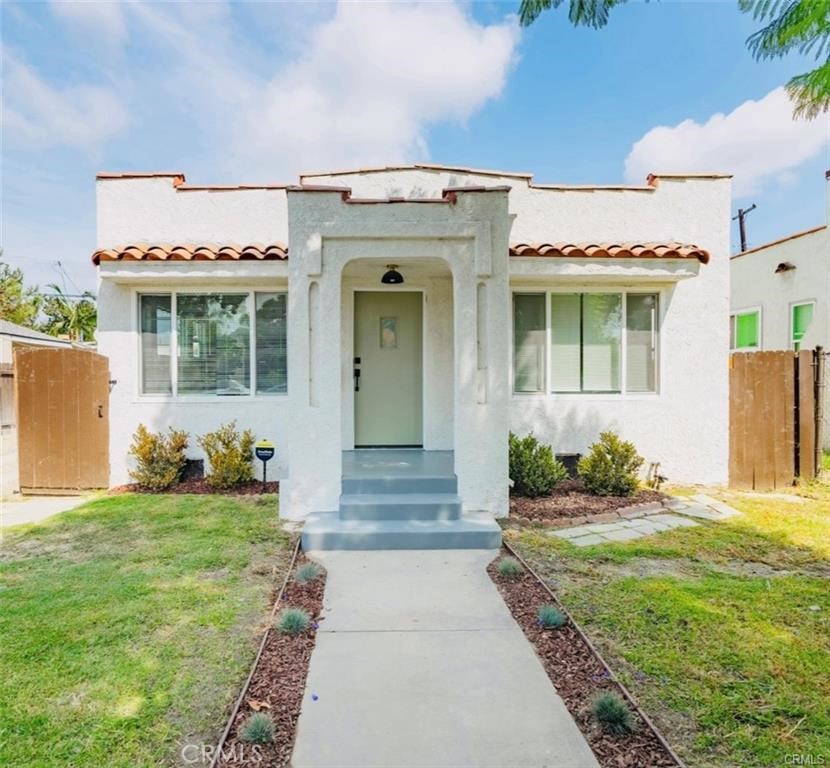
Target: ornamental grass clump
[307,572]
[258,729]
[293,621]
[611,466]
[550,617]
[230,454]
[613,714]
[160,458]
[533,468]
[510,568]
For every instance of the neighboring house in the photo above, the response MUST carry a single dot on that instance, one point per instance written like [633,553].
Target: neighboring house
[558,310]
[12,336]
[781,294]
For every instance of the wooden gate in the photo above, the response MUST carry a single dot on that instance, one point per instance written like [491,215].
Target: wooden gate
[772,418]
[62,419]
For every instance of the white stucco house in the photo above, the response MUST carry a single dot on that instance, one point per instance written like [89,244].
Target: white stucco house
[781,295]
[528,307]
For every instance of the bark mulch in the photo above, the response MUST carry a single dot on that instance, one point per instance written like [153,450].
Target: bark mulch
[571,503]
[199,485]
[278,681]
[578,675]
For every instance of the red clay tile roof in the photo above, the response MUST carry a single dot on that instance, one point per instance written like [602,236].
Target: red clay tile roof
[611,251]
[208,252]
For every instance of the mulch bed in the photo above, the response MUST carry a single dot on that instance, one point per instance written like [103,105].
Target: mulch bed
[278,681]
[578,675]
[199,485]
[570,503]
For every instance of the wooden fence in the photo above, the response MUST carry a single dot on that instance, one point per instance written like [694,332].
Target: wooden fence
[774,413]
[62,399]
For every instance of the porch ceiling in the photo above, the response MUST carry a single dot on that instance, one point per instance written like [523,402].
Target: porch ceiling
[412,269]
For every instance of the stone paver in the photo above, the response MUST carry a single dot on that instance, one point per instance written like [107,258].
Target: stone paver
[418,662]
[677,513]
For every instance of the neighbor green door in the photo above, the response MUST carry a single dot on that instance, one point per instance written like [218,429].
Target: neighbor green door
[388,407]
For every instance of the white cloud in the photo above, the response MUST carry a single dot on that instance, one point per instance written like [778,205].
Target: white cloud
[758,141]
[105,20]
[38,116]
[364,88]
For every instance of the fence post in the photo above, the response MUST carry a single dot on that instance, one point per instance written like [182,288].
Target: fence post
[818,363]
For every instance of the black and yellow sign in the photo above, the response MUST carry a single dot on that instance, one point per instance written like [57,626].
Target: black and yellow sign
[264,450]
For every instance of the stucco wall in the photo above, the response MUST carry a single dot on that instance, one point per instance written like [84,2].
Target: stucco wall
[684,426]
[756,284]
[266,415]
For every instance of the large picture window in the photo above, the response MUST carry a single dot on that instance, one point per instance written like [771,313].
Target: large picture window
[204,343]
[597,342]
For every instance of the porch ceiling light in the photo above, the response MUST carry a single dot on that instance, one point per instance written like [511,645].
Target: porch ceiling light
[392,276]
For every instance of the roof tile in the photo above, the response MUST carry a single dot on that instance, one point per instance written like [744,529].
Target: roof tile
[610,251]
[190,252]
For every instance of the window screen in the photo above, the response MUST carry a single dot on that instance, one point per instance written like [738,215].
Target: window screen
[271,348]
[641,342]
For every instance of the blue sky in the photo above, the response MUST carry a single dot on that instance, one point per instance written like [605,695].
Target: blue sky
[232,92]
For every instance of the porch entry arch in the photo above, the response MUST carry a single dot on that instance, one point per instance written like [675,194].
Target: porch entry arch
[397,355]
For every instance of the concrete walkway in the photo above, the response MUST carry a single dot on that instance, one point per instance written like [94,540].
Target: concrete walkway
[675,513]
[418,662]
[33,509]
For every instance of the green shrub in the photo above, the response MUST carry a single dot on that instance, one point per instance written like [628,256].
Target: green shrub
[257,729]
[293,621]
[510,568]
[613,713]
[230,454]
[534,469]
[610,469]
[160,458]
[550,617]
[307,572]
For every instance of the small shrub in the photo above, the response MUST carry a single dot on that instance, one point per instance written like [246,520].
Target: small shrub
[307,572]
[293,621]
[258,729]
[610,469]
[231,455]
[534,469]
[550,617]
[613,713]
[160,458]
[510,568]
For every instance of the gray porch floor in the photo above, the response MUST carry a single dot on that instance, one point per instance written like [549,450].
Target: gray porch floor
[397,462]
[419,664]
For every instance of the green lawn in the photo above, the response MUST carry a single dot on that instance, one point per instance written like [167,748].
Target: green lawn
[721,631]
[128,625]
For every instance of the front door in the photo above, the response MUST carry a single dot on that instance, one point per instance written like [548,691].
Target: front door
[388,353]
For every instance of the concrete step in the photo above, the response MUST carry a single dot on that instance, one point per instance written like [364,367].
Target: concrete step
[328,531]
[400,506]
[400,484]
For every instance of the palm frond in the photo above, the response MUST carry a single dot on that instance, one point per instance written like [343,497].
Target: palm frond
[586,13]
[810,92]
[800,25]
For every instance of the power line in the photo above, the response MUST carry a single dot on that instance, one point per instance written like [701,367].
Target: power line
[741,216]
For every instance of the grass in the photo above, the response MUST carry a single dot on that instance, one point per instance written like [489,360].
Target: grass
[129,624]
[722,631]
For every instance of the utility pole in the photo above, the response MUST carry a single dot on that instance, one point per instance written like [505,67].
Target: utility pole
[742,213]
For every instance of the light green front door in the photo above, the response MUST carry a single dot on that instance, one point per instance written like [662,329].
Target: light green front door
[388,344]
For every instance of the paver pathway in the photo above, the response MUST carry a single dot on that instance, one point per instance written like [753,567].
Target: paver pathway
[677,513]
[418,662]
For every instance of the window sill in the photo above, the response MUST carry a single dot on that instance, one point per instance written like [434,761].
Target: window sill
[213,399]
[583,396]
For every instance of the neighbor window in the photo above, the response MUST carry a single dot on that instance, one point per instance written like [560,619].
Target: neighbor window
[214,344]
[745,330]
[802,316]
[598,342]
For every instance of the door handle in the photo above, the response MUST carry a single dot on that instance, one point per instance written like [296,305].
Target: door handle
[357,379]
[100,411]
